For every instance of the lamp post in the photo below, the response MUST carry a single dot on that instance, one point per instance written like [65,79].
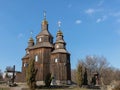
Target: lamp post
[13,77]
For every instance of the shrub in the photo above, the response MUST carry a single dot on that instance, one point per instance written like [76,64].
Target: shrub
[117,87]
[79,75]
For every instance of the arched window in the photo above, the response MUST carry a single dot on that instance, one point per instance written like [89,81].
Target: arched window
[36,58]
[56,60]
[25,64]
[27,52]
[57,46]
[40,39]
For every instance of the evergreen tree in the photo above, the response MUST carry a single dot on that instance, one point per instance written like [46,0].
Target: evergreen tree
[85,81]
[79,75]
[31,75]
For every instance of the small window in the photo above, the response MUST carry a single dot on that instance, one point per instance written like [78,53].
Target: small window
[40,39]
[27,52]
[56,60]
[57,46]
[36,58]
[25,64]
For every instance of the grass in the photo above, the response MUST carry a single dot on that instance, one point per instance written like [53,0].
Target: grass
[65,89]
[53,89]
[4,88]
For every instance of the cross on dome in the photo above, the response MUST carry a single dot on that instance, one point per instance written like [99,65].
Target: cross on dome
[59,24]
[31,33]
[44,15]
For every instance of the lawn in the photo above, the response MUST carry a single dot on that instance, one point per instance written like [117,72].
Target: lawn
[44,88]
[54,89]
[4,88]
[65,89]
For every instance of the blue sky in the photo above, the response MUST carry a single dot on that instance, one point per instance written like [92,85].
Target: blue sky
[90,27]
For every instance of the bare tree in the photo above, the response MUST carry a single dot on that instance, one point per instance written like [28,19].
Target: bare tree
[117,74]
[95,64]
[9,68]
[73,75]
[99,65]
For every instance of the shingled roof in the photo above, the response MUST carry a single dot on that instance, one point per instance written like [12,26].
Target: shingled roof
[26,56]
[60,51]
[43,44]
[45,32]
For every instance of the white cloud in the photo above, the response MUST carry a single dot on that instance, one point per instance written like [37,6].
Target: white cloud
[90,11]
[78,21]
[101,19]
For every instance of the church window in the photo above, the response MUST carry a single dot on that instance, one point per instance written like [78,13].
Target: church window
[27,52]
[36,58]
[57,46]
[56,60]
[25,64]
[40,39]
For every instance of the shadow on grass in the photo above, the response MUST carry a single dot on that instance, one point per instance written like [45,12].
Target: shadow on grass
[50,88]
[63,88]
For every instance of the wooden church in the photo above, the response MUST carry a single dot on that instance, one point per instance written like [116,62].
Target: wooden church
[49,57]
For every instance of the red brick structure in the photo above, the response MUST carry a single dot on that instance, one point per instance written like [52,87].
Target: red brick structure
[49,57]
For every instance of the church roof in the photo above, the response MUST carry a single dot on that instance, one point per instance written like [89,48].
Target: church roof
[59,38]
[60,41]
[44,22]
[59,33]
[31,39]
[45,32]
[26,56]
[43,44]
[60,51]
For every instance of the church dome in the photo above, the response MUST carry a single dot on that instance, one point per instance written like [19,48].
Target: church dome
[44,22]
[59,33]
[31,39]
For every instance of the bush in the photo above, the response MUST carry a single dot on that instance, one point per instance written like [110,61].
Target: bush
[79,75]
[117,87]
